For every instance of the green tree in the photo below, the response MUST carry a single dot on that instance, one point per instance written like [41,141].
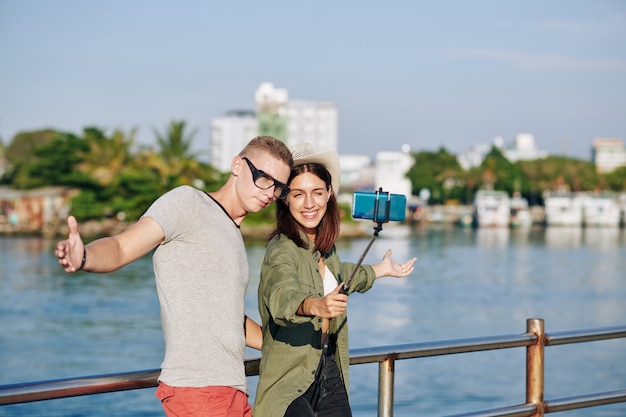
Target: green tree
[498,173]
[561,172]
[616,179]
[20,156]
[175,143]
[175,163]
[22,145]
[106,161]
[106,157]
[438,172]
[53,163]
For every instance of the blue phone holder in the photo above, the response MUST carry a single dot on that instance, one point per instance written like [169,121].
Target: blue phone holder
[379,226]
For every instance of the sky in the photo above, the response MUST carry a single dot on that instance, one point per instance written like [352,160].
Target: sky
[429,74]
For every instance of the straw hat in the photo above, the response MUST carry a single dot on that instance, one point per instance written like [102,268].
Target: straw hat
[303,153]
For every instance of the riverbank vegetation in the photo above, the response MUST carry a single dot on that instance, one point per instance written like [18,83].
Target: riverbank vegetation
[441,174]
[113,175]
[116,176]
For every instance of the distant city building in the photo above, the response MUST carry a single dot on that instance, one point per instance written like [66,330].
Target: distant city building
[296,121]
[524,149]
[608,154]
[229,134]
[474,156]
[390,172]
[271,107]
[357,173]
[312,122]
[292,122]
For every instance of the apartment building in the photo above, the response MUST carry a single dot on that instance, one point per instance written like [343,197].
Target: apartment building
[608,154]
[292,121]
[229,134]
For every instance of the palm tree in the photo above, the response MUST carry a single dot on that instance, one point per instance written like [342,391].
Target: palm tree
[107,157]
[175,143]
[175,162]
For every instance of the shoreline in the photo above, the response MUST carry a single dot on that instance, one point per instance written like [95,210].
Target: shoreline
[93,229]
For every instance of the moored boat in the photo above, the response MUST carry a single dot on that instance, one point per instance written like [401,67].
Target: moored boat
[601,210]
[563,209]
[492,208]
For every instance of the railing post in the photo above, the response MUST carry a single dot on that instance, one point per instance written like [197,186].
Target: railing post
[385,386]
[535,366]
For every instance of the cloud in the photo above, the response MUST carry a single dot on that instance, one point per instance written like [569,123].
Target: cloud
[542,62]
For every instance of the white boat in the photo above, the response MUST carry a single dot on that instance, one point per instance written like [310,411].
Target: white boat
[563,209]
[492,208]
[520,213]
[601,210]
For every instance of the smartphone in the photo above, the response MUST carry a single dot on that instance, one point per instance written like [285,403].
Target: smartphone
[379,206]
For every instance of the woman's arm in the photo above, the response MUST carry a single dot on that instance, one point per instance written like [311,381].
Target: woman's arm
[329,307]
[389,268]
[254,334]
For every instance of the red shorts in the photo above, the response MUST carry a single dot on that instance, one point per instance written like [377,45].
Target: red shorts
[204,401]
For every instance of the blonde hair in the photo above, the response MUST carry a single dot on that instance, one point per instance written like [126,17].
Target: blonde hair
[272,146]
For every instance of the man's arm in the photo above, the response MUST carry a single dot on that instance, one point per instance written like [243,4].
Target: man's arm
[109,253]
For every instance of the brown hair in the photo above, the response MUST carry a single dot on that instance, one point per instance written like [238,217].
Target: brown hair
[272,146]
[328,229]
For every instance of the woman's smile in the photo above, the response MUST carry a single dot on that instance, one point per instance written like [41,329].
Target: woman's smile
[308,201]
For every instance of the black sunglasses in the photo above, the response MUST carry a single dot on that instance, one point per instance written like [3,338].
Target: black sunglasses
[265,181]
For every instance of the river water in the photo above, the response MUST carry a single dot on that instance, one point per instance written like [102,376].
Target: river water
[466,283]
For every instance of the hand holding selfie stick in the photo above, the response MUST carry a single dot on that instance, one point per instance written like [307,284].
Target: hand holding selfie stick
[377,229]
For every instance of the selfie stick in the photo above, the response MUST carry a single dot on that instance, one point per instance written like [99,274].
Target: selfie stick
[377,229]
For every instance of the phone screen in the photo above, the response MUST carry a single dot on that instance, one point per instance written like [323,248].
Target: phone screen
[365,205]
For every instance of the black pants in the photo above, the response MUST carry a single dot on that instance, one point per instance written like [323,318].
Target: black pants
[326,397]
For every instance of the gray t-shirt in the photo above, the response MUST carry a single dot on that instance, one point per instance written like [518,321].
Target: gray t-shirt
[201,273]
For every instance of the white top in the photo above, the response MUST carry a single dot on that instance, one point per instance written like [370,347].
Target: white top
[330,282]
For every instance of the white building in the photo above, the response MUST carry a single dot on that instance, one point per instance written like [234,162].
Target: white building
[271,109]
[313,122]
[524,149]
[296,121]
[357,172]
[229,134]
[608,154]
[390,170]
[271,98]
[474,156]
[292,122]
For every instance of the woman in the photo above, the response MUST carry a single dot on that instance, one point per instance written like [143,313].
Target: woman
[304,362]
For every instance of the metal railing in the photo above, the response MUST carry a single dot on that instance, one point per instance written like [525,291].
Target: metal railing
[535,340]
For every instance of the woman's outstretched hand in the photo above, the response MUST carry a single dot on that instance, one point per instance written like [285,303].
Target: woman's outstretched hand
[389,268]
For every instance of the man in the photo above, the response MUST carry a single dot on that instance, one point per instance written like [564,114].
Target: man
[201,273]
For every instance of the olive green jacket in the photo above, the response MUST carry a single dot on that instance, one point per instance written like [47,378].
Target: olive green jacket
[292,343]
